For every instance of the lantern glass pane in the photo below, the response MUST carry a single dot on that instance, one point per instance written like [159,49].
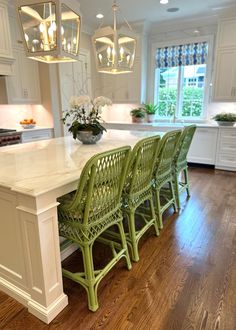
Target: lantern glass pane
[70,30]
[104,46]
[39,26]
[126,52]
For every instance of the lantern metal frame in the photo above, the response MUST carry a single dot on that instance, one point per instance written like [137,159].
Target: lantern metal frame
[57,55]
[103,32]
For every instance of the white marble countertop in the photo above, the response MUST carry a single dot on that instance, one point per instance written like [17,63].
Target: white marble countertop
[155,125]
[37,167]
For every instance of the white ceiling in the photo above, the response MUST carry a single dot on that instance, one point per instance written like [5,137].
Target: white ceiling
[149,10]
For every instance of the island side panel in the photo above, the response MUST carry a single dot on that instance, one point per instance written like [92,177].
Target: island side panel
[13,272]
[40,253]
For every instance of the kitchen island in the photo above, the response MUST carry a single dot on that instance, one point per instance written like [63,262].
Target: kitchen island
[32,177]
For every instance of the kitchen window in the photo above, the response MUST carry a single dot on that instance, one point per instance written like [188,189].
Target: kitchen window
[180,81]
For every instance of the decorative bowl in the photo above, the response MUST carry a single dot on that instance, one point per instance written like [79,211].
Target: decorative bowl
[27,126]
[225,123]
[87,137]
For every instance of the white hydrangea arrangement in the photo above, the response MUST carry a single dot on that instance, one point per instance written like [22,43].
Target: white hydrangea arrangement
[85,114]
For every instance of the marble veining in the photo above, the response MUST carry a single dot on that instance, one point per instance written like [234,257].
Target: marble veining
[41,166]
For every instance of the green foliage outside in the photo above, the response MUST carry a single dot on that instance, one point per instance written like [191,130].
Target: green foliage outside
[192,102]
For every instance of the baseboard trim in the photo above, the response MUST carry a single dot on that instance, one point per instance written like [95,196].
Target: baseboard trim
[48,314]
[201,165]
[68,251]
[14,292]
[44,314]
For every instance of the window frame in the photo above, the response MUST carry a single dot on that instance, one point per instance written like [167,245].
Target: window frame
[208,77]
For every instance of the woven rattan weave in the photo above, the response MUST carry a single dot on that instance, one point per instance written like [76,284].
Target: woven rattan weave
[163,175]
[180,165]
[95,206]
[138,190]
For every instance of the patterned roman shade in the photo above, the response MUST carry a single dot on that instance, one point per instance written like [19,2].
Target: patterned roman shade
[189,54]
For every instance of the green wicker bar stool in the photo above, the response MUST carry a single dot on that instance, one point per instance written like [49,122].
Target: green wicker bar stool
[138,190]
[95,206]
[163,188]
[180,165]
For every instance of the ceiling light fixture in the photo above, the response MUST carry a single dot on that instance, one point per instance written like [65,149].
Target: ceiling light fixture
[99,16]
[114,48]
[50,29]
[164,2]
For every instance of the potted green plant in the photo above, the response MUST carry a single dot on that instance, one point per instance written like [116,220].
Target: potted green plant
[225,118]
[85,118]
[150,110]
[138,115]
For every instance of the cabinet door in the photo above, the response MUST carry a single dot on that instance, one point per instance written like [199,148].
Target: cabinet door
[225,78]
[75,79]
[5,44]
[122,88]
[23,86]
[14,83]
[30,80]
[203,146]
[226,33]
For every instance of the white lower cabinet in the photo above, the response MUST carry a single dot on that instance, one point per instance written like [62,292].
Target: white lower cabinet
[226,149]
[36,135]
[203,147]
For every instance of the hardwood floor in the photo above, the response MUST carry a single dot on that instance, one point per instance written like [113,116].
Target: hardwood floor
[185,279]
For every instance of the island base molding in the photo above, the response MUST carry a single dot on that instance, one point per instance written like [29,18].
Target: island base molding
[44,314]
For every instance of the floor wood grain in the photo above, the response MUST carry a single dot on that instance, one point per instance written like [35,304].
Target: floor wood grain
[185,279]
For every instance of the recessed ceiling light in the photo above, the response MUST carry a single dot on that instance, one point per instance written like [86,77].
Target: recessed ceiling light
[99,16]
[196,31]
[164,2]
[172,10]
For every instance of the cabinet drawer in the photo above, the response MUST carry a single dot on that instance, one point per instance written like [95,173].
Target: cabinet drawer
[226,159]
[228,133]
[227,147]
[36,135]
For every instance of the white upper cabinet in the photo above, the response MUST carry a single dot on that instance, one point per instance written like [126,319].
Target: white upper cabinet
[23,87]
[225,78]
[226,33]
[225,68]
[6,58]
[125,87]
[75,79]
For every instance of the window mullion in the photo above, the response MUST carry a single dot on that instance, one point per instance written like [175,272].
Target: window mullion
[179,92]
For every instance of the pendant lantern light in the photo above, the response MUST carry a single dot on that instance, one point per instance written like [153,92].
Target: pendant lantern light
[50,29]
[114,48]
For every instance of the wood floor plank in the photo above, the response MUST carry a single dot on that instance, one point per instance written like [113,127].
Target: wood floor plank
[185,279]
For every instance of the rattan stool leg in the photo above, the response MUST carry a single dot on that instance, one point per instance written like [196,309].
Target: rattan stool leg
[153,214]
[158,208]
[90,277]
[124,244]
[173,196]
[176,189]
[186,178]
[132,235]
